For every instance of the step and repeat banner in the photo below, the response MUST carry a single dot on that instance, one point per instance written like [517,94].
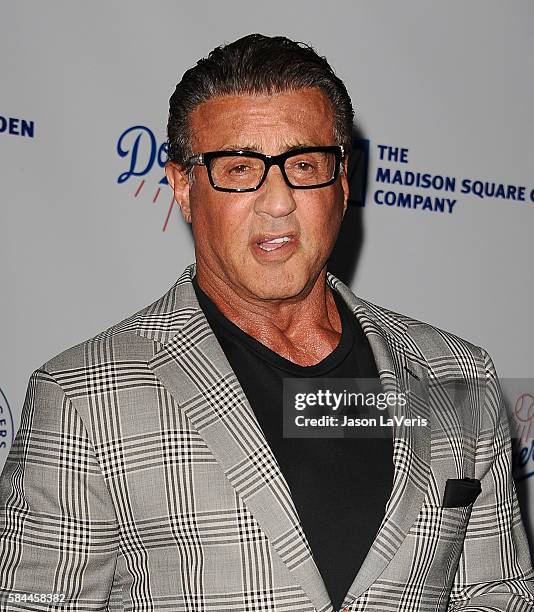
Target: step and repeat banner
[441,218]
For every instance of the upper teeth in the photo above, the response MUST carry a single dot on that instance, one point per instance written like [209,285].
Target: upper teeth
[283,239]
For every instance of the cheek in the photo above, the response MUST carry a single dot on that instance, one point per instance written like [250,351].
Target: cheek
[217,217]
[320,222]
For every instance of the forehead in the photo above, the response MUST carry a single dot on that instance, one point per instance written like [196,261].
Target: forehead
[268,123]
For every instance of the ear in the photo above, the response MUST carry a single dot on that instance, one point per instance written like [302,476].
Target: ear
[179,182]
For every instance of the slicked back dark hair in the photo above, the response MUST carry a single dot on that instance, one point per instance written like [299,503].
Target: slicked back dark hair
[254,65]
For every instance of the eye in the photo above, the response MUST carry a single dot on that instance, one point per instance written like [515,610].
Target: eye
[239,169]
[304,166]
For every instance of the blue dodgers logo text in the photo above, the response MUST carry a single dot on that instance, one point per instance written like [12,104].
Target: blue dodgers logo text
[144,156]
[142,151]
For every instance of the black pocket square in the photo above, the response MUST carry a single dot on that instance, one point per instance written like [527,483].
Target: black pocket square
[460,492]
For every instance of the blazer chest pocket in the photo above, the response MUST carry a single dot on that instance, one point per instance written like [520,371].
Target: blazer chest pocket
[460,492]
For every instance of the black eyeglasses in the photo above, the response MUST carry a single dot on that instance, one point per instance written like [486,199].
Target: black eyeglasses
[241,171]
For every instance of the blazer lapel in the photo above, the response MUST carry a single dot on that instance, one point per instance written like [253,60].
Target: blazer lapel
[402,370]
[192,366]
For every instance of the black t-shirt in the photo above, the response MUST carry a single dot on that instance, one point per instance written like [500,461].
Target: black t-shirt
[339,486]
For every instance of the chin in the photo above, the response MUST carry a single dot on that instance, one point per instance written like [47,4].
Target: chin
[278,284]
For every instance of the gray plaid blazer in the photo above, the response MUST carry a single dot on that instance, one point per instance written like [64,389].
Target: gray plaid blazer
[141,480]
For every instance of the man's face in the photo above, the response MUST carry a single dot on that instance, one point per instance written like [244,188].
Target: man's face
[228,226]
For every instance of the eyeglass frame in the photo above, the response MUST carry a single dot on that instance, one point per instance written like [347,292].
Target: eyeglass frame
[204,159]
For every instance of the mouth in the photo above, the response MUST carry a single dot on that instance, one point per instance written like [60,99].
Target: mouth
[274,248]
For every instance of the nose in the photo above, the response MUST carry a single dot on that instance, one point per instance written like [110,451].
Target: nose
[275,196]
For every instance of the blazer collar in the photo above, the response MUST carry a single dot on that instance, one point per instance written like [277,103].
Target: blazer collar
[191,365]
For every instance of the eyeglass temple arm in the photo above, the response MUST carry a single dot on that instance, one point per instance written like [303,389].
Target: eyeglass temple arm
[196,160]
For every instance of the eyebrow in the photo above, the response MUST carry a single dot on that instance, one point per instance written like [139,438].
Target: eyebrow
[241,147]
[256,149]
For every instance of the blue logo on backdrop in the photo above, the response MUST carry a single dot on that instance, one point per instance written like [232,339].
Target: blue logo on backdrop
[17,127]
[145,158]
[142,151]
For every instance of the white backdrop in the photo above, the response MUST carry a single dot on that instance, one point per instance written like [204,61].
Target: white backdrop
[450,82]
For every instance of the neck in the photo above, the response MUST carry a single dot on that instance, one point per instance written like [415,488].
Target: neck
[304,329]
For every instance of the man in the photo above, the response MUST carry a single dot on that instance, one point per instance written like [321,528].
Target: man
[150,471]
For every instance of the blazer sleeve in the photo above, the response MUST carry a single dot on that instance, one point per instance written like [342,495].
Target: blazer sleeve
[58,528]
[495,570]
